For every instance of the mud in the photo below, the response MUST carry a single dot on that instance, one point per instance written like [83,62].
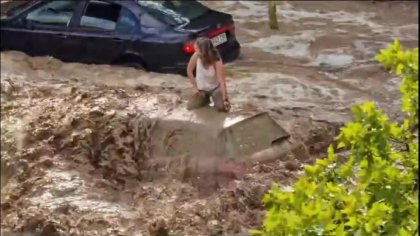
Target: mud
[79,155]
[83,166]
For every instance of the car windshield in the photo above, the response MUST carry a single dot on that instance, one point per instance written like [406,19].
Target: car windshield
[174,13]
[10,8]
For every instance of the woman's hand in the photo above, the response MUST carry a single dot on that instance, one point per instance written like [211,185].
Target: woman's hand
[226,103]
[222,81]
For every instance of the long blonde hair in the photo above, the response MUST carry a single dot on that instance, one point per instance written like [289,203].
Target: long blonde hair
[209,53]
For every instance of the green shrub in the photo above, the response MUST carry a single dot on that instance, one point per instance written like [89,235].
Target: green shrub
[375,191]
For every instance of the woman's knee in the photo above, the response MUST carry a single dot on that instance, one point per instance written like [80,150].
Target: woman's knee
[197,100]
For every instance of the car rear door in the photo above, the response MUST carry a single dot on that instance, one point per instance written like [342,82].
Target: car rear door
[45,28]
[103,31]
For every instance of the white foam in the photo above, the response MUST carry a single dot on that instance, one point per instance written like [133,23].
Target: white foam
[296,46]
[333,60]
[292,14]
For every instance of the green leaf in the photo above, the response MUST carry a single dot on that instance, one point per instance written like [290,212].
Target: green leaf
[256,232]
[374,192]
[404,232]
[399,70]
[352,222]
[311,170]
[340,231]
[330,227]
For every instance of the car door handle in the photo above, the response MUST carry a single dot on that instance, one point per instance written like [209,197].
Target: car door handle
[63,36]
[118,40]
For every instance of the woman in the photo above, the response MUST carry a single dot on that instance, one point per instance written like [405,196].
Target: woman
[210,79]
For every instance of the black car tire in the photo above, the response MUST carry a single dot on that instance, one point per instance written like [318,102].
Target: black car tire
[136,65]
[131,61]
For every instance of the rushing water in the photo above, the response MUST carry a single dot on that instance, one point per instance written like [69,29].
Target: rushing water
[318,65]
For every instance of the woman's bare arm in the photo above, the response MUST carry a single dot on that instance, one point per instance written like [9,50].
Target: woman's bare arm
[220,73]
[190,70]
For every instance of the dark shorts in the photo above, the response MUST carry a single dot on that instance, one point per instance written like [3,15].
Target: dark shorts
[202,99]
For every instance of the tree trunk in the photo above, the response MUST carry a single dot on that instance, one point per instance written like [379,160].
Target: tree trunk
[272,14]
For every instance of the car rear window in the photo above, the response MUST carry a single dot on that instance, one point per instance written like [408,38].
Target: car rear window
[174,13]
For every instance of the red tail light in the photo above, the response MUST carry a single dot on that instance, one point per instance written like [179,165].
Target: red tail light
[189,47]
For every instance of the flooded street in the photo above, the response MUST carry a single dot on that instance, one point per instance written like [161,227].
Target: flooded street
[75,138]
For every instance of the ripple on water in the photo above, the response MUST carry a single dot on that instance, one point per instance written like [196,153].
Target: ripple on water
[295,46]
[333,60]
[68,188]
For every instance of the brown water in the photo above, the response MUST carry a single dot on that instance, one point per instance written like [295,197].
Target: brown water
[308,74]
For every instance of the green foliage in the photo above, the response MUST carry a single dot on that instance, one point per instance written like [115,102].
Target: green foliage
[375,192]
[406,65]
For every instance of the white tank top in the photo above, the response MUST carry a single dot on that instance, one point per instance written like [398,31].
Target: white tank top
[206,78]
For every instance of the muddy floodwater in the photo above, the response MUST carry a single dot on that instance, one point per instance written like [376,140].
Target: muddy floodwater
[97,149]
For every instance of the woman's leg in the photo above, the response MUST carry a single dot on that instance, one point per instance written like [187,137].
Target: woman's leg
[198,100]
[217,98]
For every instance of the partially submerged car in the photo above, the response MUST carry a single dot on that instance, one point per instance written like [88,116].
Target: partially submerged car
[152,35]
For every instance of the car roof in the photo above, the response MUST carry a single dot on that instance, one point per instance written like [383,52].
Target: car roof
[122,2]
[23,4]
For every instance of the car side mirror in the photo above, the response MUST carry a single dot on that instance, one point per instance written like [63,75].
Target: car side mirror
[28,24]
[22,22]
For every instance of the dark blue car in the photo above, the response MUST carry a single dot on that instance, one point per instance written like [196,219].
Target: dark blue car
[153,35]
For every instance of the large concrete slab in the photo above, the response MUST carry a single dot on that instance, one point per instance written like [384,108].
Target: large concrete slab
[207,132]
[250,135]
